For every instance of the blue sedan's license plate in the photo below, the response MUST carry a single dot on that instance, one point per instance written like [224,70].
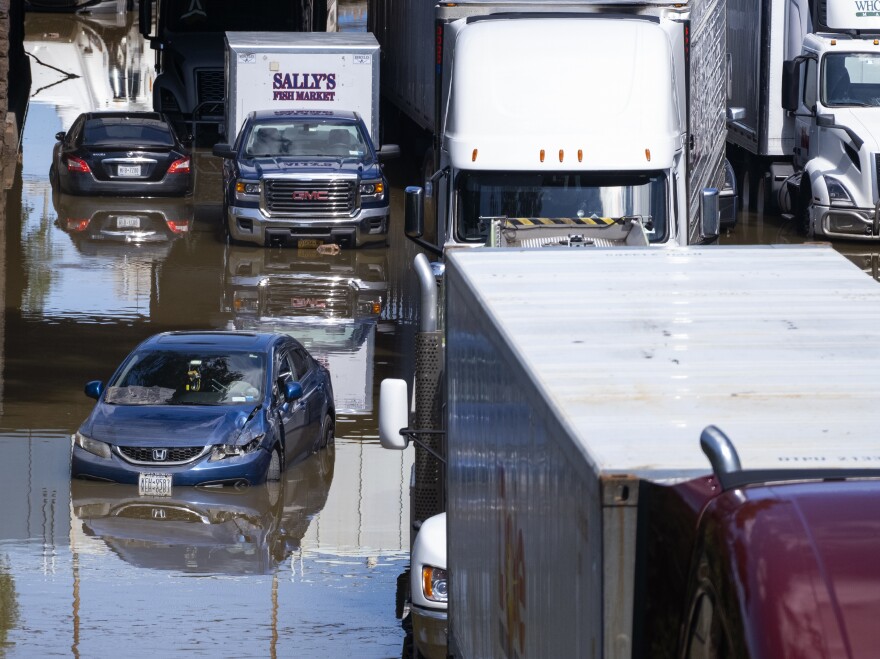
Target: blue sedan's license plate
[154,484]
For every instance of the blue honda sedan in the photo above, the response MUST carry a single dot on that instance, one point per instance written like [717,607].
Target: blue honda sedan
[205,408]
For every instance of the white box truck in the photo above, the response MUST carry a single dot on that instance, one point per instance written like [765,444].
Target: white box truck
[301,71]
[583,519]
[526,121]
[805,79]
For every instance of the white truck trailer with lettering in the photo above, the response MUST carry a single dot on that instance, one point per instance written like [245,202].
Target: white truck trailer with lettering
[805,79]
[561,110]
[583,520]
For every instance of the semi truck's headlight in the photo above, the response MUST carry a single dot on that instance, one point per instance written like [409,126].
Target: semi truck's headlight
[372,190]
[434,583]
[247,190]
[837,193]
[93,446]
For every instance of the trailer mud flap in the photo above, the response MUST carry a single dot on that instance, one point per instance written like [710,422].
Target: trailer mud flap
[620,497]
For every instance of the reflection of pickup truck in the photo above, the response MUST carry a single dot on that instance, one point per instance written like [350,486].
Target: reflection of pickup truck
[303,178]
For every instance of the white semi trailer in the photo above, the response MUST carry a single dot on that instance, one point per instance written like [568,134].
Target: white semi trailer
[584,520]
[805,82]
[562,110]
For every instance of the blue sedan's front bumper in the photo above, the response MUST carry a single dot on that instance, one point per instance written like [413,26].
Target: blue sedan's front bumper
[247,469]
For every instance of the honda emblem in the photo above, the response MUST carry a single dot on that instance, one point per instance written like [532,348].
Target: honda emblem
[160,454]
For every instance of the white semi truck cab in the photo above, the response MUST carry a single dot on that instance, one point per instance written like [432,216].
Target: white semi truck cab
[833,91]
[577,116]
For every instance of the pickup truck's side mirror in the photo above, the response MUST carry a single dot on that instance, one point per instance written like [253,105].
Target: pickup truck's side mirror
[393,413]
[223,151]
[414,212]
[60,135]
[790,85]
[388,151]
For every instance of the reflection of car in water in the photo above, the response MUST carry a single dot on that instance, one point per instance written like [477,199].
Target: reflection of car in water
[102,225]
[331,303]
[207,530]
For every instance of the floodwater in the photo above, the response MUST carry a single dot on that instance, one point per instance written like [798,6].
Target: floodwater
[307,569]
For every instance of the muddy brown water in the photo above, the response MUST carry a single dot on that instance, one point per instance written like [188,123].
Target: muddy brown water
[308,568]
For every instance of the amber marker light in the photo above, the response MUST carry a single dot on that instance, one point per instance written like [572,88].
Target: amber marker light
[561,155]
[877,42]
[648,154]
[834,42]
[580,155]
[474,156]
[542,155]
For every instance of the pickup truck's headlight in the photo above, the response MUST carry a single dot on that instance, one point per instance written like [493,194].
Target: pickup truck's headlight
[93,446]
[230,450]
[372,190]
[247,190]
[434,583]
[837,193]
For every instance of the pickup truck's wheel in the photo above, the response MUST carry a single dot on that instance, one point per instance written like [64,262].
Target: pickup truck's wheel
[276,466]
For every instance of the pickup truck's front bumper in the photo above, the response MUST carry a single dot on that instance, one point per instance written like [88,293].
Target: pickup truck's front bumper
[429,632]
[250,225]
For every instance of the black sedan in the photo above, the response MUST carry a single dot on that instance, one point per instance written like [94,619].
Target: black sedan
[121,153]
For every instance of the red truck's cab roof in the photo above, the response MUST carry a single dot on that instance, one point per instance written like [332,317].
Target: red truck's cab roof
[796,565]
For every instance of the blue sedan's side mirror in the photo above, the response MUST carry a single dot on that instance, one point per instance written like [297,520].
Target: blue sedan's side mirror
[292,391]
[94,389]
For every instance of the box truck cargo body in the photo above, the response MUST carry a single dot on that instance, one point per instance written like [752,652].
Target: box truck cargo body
[301,71]
[583,518]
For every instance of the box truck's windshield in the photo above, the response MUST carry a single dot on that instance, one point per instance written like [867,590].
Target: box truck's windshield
[227,15]
[313,138]
[486,195]
[851,79]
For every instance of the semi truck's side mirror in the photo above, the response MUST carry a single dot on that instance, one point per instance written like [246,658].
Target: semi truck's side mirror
[825,120]
[710,216]
[393,413]
[790,85]
[414,212]
[145,17]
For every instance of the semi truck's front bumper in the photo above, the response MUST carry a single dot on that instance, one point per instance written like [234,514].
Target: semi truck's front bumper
[250,225]
[836,222]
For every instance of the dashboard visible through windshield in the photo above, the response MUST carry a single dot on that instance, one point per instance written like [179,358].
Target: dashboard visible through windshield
[482,196]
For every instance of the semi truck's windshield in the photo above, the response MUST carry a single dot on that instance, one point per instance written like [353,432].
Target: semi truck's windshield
[484,195]
[850,79]
[227,15]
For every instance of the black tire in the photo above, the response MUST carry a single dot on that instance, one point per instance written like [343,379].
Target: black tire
[276,466]
[327,437]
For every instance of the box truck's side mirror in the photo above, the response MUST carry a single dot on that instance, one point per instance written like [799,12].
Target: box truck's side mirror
[710,215]
[414,212]
[393,413]
[791,84]
[145,17]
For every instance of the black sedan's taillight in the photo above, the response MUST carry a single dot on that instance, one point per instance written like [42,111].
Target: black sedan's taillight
[179,166]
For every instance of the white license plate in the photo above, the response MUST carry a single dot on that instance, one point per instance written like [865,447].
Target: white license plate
[128,222]
[129,170]
[154,484]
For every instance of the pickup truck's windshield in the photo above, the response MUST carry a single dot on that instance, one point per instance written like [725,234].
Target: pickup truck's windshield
[482,195]
[229,15]
[313,138]
[850,79]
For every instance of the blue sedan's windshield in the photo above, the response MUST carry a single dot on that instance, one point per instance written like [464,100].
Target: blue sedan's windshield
[167,377]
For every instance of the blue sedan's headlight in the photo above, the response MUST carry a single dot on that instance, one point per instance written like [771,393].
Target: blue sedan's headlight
[93,446]
[231,450]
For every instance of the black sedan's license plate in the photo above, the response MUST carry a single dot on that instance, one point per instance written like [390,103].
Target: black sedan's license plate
[129,170]
[154,485]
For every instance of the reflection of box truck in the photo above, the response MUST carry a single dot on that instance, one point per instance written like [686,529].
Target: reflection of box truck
[301,71]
